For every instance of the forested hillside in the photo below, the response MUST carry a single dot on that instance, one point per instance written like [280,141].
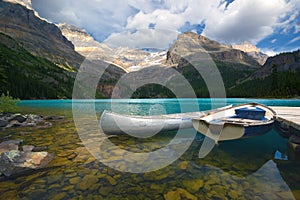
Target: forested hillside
[26,76]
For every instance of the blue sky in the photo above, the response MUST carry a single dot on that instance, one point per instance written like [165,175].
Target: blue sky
[272,25]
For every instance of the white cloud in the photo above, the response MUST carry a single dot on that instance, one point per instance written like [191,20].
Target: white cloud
[170,17]
[270,52]
[273,41]
[294,40]
[142,38]
[250,20]
[246,20]
[100,18]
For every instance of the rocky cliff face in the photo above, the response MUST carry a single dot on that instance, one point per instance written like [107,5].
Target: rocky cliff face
[189,42]
[25,3]
[252,51]
[36,35]
[85,43]
[246,47]
[100,54]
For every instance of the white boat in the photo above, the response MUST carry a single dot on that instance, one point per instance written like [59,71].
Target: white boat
[246,120]
[114,123]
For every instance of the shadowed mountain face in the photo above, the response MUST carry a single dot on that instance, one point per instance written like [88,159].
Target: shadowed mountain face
[37,36]
[279,77]
[30,77]
[283,61]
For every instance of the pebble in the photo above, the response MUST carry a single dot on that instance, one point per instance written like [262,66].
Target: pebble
[183,165]
[54,186]
[74,180]
[179,194]
[233,194]
[12,194]
[193,185]
[67,188]
[87,182]
[111,180]
[58,196]
[105,190]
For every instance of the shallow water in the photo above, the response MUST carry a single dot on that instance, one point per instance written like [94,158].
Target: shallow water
[240,169]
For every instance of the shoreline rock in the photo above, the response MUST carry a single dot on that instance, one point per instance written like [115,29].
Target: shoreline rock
[14,161]
[9,120]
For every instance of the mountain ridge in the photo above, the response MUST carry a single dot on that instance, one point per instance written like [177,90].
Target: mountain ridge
[192,42]
[37,36]
[129,59]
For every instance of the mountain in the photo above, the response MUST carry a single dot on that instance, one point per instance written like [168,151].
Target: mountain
[128,59]
[252,51]
[283,61]
[192,42]
[233,65]
[37,61]
[85,43]
[279,77]
[37,36]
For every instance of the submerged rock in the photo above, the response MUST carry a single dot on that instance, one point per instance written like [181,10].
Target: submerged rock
[193,185]
[28,148]
[179,194]
[105,190]
[87,182]
[37,149]
[183,165]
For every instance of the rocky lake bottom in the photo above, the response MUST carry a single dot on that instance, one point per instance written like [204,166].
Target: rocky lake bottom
[241,169]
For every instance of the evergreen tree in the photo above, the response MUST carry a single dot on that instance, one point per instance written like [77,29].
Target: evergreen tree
[275,83]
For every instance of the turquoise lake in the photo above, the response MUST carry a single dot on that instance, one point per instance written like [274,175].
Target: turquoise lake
[239,169]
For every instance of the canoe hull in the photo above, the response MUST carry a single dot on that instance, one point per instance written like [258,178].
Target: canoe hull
[136,125]
[112,123]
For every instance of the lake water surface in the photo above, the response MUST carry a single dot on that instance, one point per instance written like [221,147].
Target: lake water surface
[240,169]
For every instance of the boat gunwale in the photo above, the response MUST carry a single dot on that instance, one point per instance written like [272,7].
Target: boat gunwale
[241,105]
